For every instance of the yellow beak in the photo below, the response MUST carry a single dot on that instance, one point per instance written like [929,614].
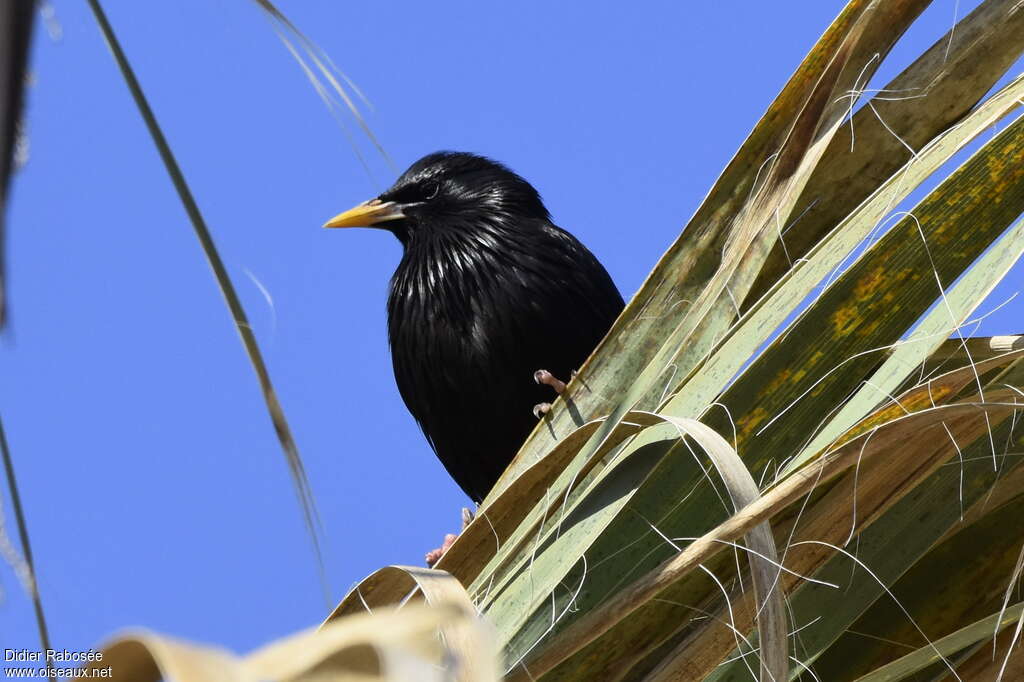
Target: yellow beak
[367,214]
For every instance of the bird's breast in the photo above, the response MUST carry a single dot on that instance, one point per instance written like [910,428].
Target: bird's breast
[469,324]
[459,304]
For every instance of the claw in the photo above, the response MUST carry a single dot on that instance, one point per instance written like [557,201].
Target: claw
[434,555]
[542,376]
[541,409]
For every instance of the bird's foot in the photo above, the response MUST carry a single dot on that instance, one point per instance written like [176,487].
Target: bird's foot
[434,555]
[546,378]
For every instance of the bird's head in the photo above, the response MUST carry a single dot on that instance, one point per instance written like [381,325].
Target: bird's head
[450,192]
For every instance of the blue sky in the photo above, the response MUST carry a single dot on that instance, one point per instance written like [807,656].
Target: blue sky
[153,484]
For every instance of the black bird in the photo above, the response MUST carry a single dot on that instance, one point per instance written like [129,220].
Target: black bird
[488,291]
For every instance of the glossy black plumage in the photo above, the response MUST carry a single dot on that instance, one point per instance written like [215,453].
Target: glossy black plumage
[488,291]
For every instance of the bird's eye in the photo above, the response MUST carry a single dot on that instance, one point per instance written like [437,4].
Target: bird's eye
[430,190]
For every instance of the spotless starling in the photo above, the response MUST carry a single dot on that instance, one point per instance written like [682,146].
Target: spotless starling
[488,292]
